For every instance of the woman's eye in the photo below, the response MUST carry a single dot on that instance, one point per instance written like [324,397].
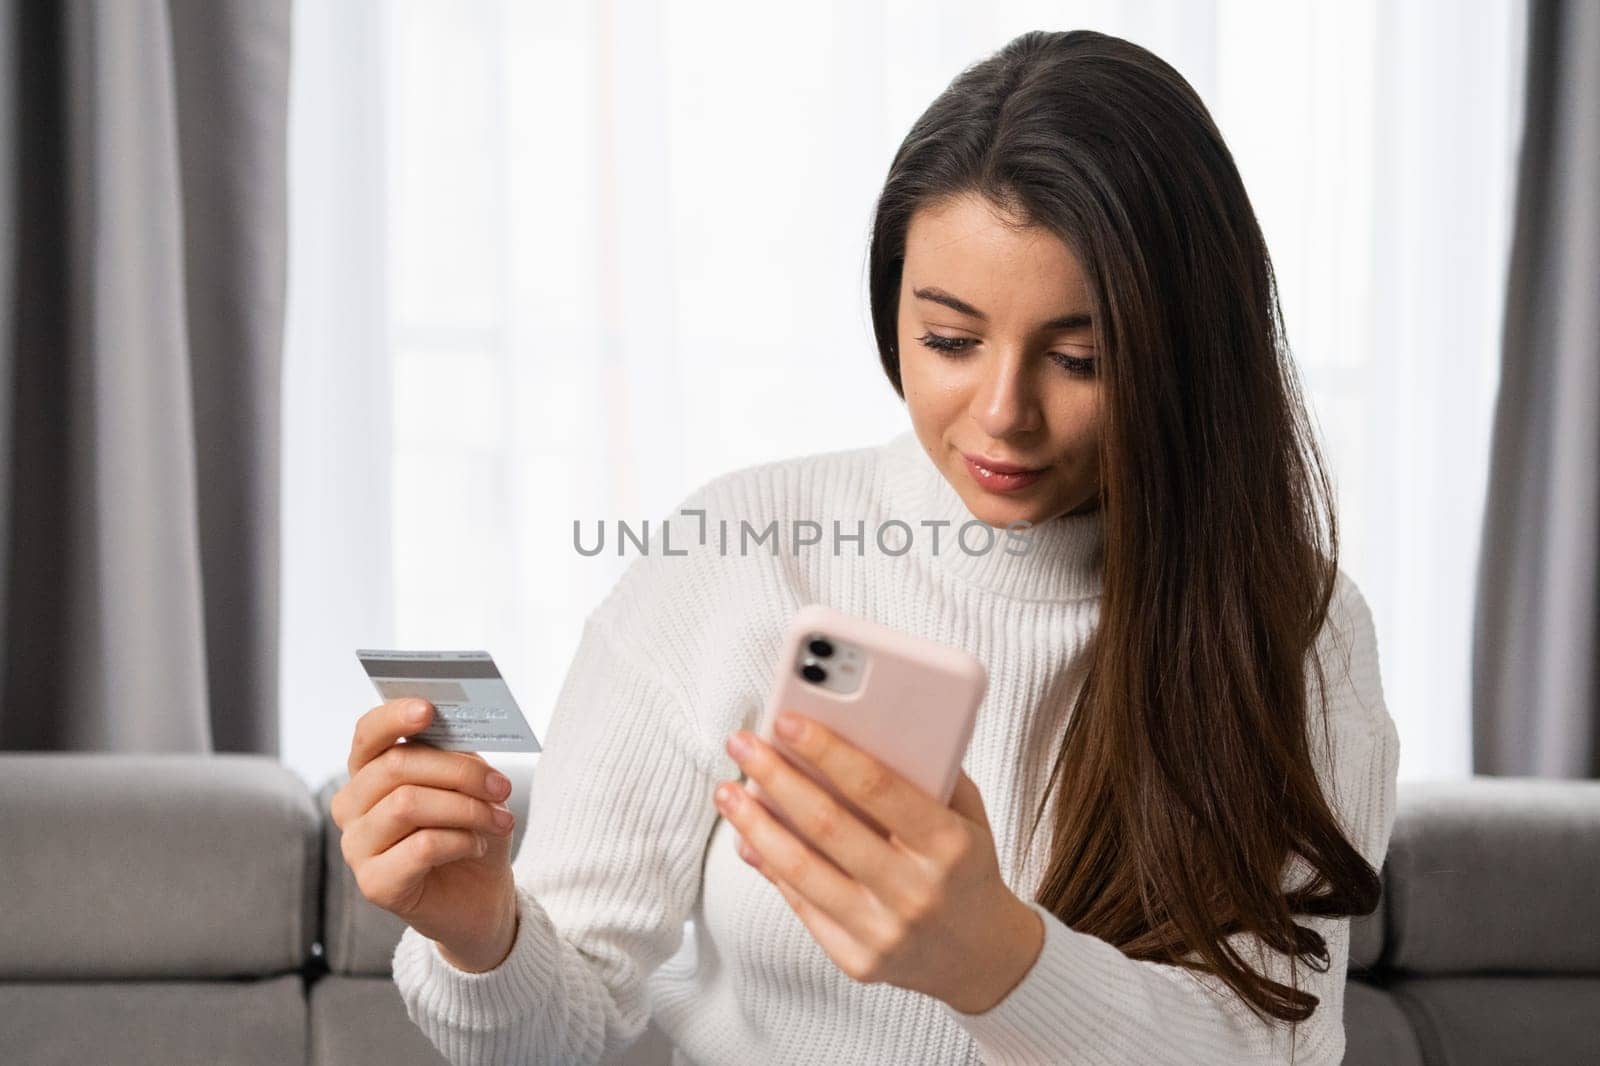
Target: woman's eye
[940,343]
[1076,365]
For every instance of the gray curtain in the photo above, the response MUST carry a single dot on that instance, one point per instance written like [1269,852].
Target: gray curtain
[142,256]
[1536,689]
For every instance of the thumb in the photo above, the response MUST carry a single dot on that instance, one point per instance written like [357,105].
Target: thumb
[967,801]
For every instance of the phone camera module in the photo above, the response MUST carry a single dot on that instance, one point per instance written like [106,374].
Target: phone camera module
[820,647]
[813,673]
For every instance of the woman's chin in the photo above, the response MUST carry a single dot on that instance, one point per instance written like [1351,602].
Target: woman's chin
[997,510]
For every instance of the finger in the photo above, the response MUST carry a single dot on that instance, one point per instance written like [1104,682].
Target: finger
[845,950]
[393,879]
[386,723]
[901,807]
[412,807]
[787,857]
[418,764]
[967,801]
[828,825]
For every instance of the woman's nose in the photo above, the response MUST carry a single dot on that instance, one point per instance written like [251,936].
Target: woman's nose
[1005,403]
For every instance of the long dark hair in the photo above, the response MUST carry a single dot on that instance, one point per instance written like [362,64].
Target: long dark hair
[1185,781]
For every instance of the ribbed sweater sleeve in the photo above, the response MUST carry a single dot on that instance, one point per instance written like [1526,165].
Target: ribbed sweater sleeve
[619,812]
[1085,1001]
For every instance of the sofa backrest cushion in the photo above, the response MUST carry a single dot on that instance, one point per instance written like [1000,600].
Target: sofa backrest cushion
[155,866]
[1495,875]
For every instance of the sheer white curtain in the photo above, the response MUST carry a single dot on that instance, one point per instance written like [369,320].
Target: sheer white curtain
[566,262]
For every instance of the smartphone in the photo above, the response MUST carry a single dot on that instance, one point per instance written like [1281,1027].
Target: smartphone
[908,701]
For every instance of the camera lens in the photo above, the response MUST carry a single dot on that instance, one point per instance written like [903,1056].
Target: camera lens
[820,648]
[814,673]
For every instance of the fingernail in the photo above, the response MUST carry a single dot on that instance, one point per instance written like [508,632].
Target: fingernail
[789,726]
[418,712]
[503,819]
[738,746]
[727,797]
[498,784]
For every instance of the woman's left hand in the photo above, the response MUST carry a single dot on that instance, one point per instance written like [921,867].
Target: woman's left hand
[925,909]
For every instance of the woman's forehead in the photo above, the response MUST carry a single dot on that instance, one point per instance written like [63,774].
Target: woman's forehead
[964,249]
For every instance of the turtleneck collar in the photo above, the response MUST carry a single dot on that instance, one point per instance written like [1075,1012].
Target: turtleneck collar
[1061,559]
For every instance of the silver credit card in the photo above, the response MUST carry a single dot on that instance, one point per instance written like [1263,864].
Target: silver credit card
[474,708]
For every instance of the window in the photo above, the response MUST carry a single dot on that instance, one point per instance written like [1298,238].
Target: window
[555,262]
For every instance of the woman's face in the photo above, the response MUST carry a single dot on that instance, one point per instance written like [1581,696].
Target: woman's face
[1020,386]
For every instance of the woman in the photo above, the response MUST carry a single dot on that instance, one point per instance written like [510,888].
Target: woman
[1163,825]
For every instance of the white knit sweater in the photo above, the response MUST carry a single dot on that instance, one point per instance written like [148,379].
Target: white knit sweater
[623,844]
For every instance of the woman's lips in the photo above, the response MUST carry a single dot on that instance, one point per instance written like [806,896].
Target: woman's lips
[1011,479]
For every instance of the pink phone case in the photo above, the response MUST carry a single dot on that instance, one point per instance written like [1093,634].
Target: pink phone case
[914,707]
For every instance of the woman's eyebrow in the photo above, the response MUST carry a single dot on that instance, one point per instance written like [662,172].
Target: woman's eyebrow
[955,303]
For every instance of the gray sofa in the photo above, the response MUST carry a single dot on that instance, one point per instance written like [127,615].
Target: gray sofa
[176,909]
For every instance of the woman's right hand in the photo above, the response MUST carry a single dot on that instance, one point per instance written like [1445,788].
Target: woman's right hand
[428,837]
